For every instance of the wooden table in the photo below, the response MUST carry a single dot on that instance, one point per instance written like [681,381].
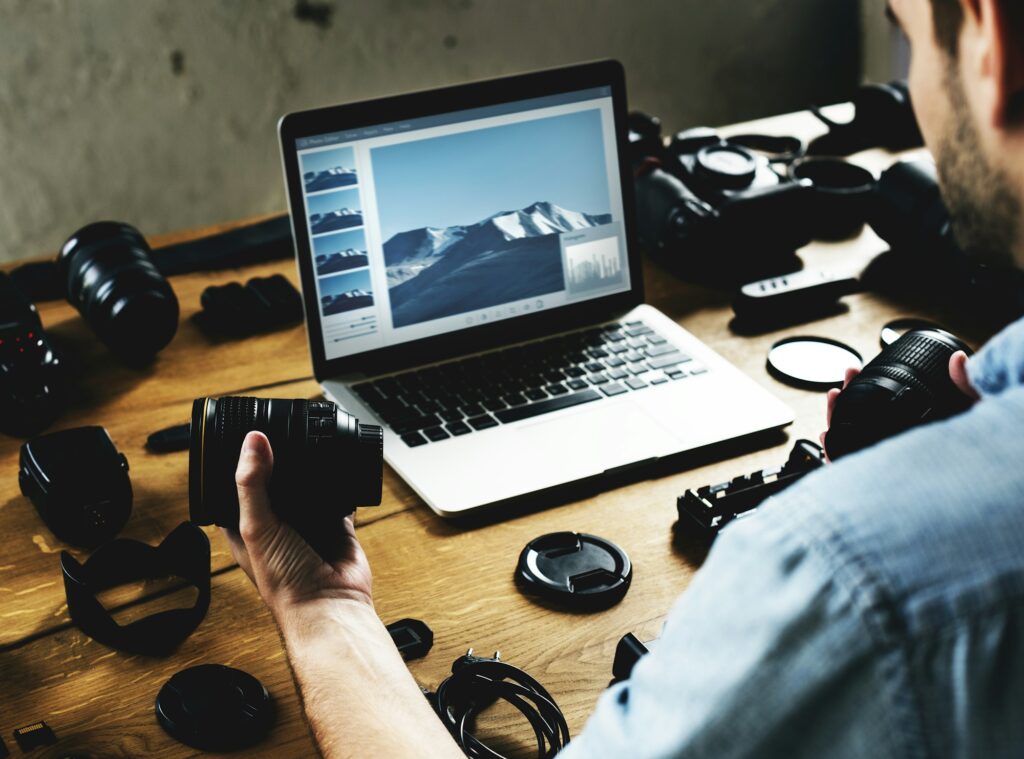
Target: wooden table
[100,702]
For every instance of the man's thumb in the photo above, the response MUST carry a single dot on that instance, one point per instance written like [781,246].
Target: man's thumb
[252,478]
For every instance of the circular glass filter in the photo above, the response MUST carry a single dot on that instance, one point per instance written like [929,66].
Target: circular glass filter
[815,363]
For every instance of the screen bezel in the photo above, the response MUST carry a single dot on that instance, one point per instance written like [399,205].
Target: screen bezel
[369,113]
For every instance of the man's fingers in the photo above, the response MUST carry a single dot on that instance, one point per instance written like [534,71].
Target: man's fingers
[252,477]
[850,374]
[238,550]
[958,373]
[830,404]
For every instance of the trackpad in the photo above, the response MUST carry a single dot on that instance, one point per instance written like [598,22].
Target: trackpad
[597,438]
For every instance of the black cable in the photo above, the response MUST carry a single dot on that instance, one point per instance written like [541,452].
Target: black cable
[476,683]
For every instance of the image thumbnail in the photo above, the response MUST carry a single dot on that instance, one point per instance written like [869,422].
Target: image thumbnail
[340,252]
[329,169]
[334,211]
[345,292]
[473,220]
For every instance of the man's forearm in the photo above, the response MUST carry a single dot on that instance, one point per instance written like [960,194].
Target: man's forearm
[358,694]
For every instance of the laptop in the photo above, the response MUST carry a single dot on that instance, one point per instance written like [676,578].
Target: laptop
[472,284]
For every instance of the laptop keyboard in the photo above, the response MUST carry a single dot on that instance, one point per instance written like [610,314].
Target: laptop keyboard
[461,397]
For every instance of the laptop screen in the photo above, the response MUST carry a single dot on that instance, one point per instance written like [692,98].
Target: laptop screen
[436,224]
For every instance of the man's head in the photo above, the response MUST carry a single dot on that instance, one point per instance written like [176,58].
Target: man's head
[967,85]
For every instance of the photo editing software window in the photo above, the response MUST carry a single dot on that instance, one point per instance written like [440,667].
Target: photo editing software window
[441,223]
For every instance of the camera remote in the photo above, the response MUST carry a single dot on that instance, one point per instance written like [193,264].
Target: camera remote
[792,297]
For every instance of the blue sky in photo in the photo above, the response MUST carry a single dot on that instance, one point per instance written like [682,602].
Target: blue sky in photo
[353,238]
[342,283]
[466,177]
[328,159]
[333,201]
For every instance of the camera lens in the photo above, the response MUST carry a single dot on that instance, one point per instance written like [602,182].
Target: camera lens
[905,385]
[325,462]
[111,279]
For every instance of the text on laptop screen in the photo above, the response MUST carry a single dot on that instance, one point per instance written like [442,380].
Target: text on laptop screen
[440,223]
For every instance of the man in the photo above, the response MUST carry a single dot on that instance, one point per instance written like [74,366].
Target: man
[876,609]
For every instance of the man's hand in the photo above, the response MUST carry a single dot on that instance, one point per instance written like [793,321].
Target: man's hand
[957,373]
[287,571]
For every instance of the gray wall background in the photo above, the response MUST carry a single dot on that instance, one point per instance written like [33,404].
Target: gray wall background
[162,113]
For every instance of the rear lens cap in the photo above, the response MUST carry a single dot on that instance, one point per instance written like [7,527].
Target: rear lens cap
[575,570]
[215,708]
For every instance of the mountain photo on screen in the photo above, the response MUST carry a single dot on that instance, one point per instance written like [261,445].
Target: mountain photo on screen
[329,169]
[341,252]
[342,293]
[334,211]
[472,220]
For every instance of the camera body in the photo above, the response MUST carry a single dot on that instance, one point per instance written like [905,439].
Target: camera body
[715,209]
[325,462]
[33,378]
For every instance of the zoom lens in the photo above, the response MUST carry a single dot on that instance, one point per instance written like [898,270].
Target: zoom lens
[907,384]
[110,277]
[325,462]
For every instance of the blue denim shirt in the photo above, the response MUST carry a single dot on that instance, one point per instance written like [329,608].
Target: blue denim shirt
[874,609]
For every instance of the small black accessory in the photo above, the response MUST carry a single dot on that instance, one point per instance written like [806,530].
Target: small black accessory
[262,305]
[897,328]
[794,298]
[33,736]
[215,708]
[883,117]
[412,638]
[628,652]
[33,379]
[4,751]
[574,569]
[185,553]
[841,193]
[708,509]
[812,363]
[78,483]
[905,385]
[109,276]
[476,683]
[170,439]
[310,440]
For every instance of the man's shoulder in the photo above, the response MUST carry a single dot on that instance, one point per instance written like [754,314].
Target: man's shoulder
[933,519]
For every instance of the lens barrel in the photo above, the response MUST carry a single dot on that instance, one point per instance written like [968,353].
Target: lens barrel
[907,384]
[325,462]
[109,276]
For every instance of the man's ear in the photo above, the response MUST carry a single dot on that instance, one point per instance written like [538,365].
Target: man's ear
[1000,24]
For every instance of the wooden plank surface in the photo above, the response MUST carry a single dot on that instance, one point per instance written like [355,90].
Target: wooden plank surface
[457,578]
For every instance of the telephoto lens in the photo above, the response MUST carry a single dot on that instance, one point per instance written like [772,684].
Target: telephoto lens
[108,274]
[325,462]
[907,384]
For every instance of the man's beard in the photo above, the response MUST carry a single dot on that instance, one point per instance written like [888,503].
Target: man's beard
[984,210]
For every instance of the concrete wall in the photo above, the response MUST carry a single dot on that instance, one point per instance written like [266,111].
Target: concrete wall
[162,113]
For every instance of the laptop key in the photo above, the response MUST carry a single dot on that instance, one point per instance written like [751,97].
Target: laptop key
[544,407]
[635,383]
[412,439]
[556,388]
[451,415]
[482,422]
[458,428]
[435,434]
[614,388]
[661,350]
[637,330]
[656,339]
[614,361]
[617,374]
[597,378]
[472,409]
[594,366]
[576,384]
[494,404]
[535,394]
[411,424]
[514,399]
[669,359]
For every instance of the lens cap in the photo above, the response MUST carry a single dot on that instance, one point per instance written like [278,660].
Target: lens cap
[897,328]
[574,569]
[215,708]
[813,363]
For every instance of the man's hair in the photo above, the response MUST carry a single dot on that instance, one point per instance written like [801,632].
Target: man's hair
[949,16]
